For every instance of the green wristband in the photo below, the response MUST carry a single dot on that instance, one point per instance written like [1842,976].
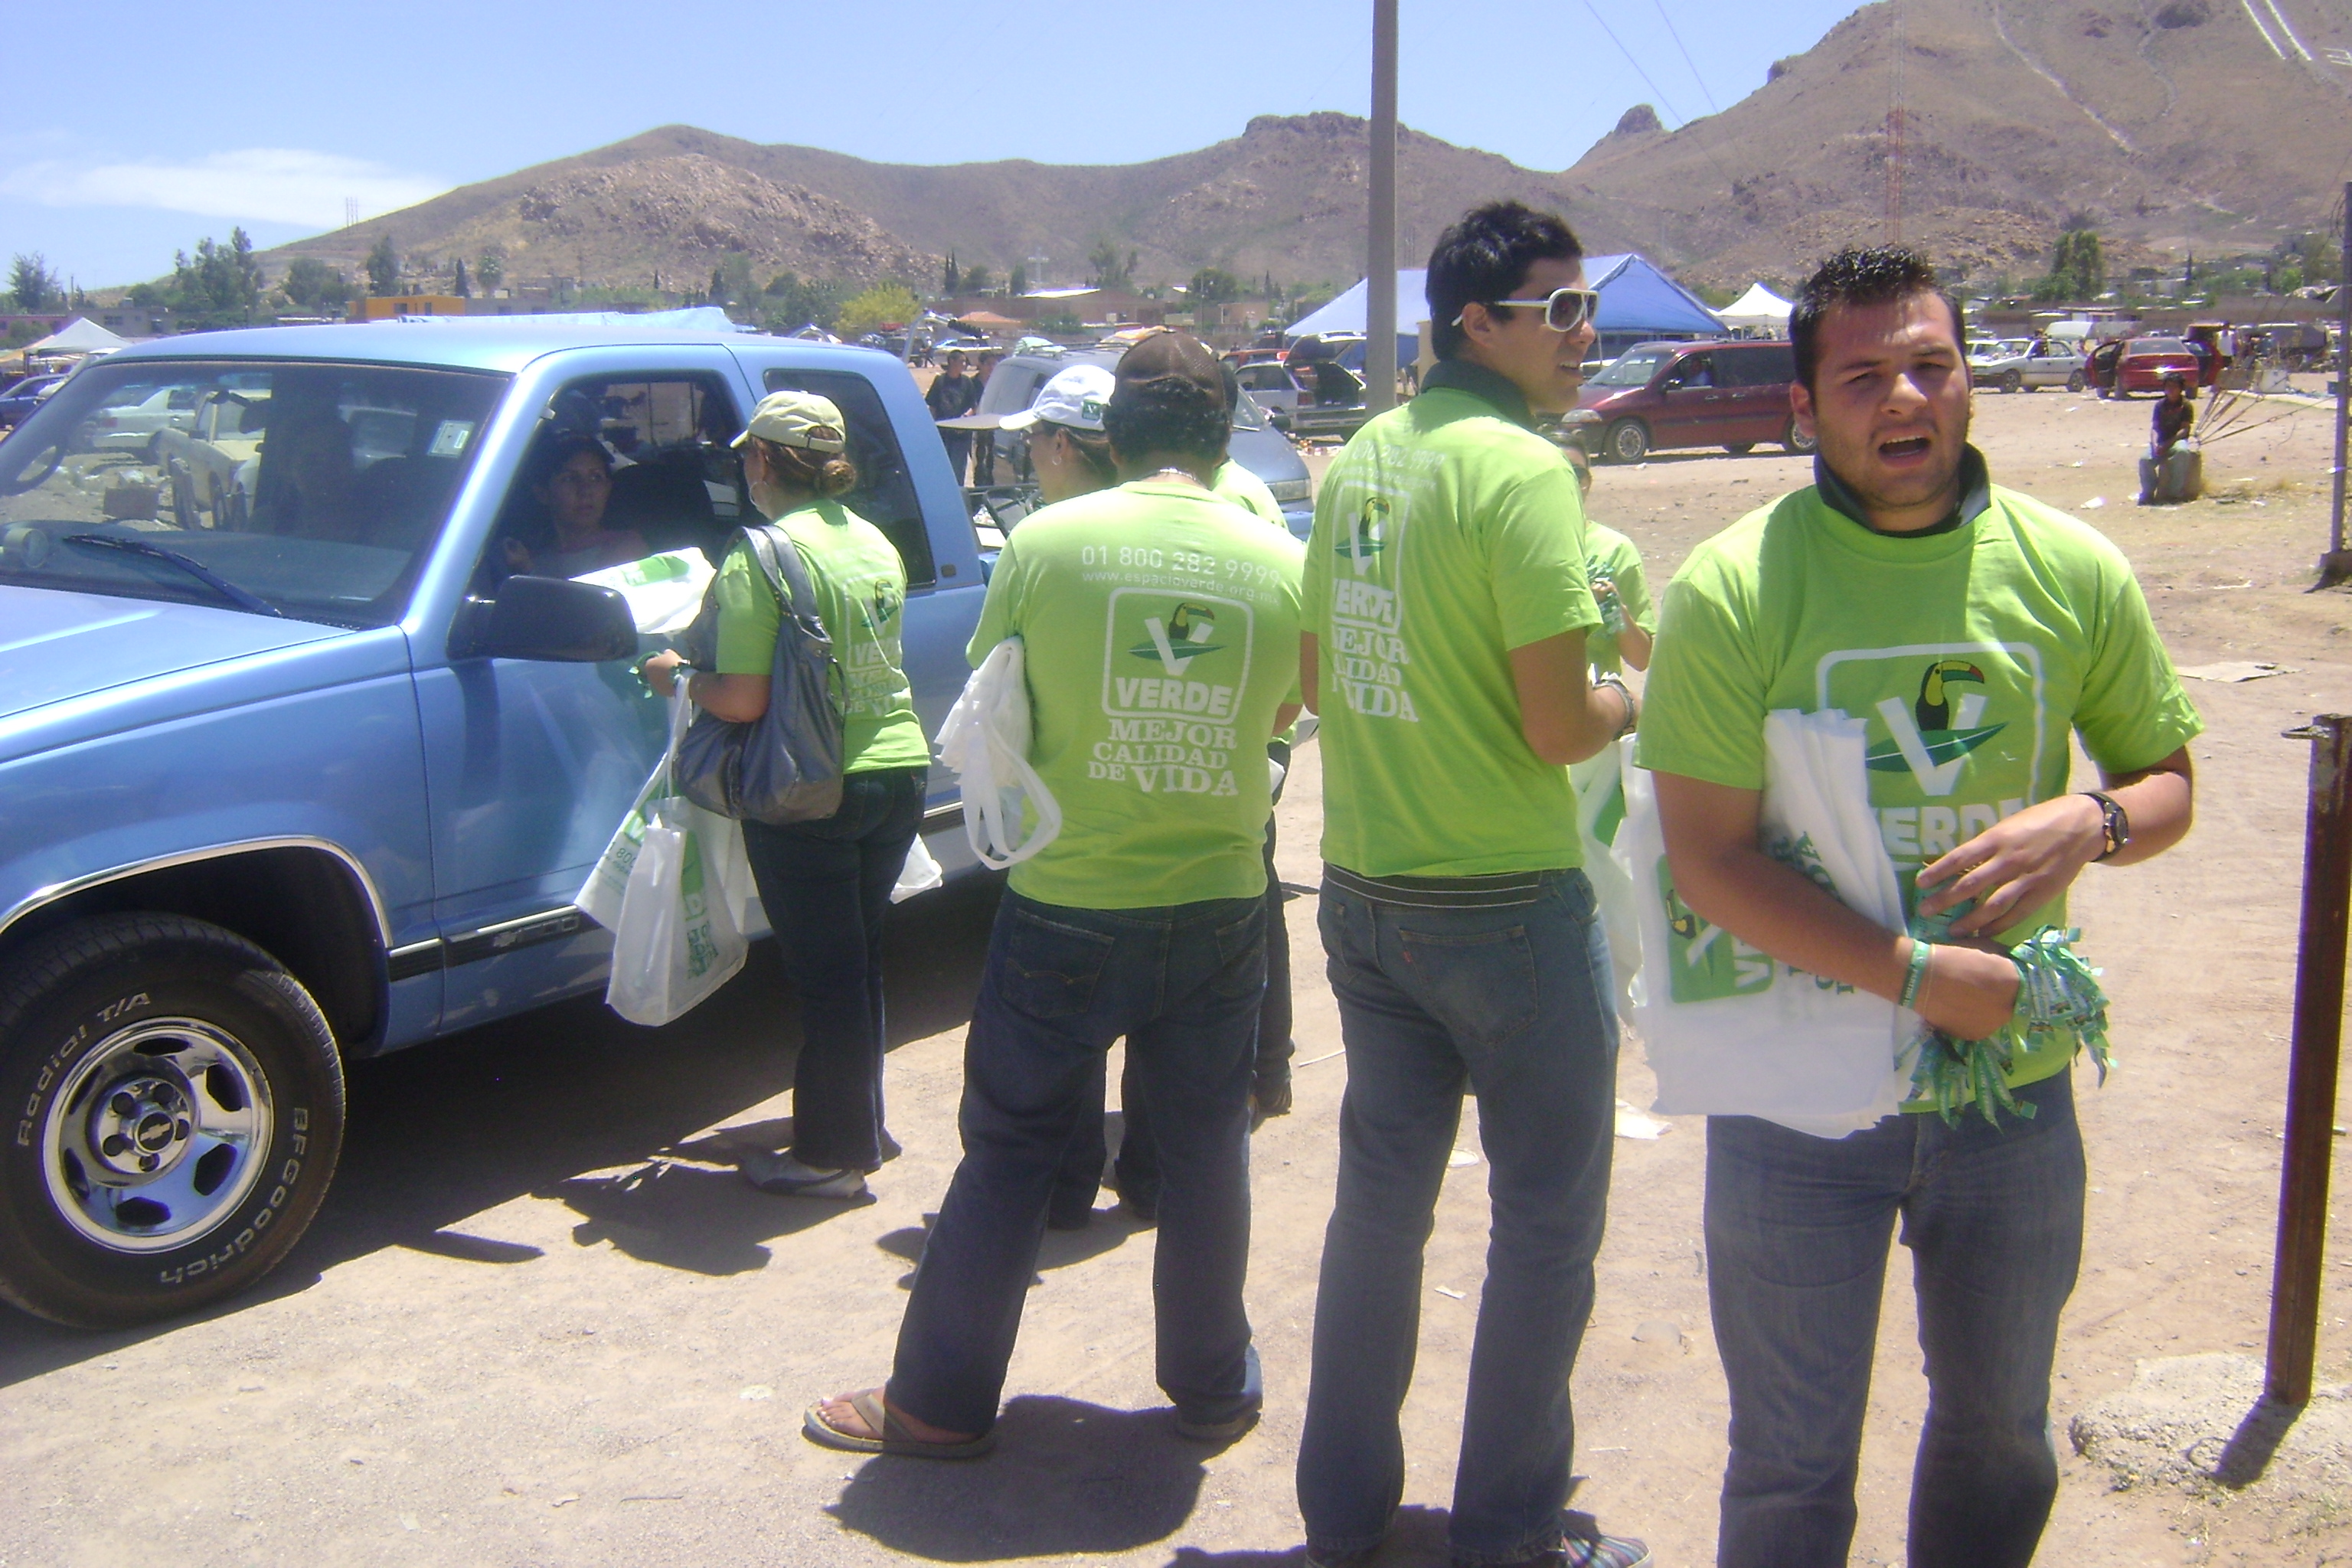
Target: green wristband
[1916,976]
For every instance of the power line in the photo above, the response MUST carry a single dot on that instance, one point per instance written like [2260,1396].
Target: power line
[1659,91]
[1713,106]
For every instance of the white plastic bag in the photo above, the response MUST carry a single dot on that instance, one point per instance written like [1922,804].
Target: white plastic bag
[986,741]
[1600,783]
[665,592]
[674,887]
[676,942]
[1729,1030]
[921,874]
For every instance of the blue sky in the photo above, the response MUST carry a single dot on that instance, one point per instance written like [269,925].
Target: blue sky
[273,114]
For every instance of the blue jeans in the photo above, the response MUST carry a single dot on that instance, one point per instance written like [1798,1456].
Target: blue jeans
[1182,984]
[1513,1003]
[825,885]
[1797,1232]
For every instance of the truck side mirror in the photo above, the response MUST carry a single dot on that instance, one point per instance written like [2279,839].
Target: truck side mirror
[551,619]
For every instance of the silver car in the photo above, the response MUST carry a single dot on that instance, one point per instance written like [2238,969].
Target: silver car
[2044,362]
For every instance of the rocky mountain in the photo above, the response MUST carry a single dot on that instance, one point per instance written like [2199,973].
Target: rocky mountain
[1973,127]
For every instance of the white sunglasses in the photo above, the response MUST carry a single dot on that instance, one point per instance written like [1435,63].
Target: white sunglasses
[1565,310]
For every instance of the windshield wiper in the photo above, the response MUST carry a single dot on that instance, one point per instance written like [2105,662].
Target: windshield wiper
[244,599]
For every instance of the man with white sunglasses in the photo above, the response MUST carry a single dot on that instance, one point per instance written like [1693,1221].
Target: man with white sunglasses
[1443,643]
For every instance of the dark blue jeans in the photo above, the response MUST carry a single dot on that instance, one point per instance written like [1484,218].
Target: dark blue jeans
[1139,1161]
[1182,984]
[1516,1004]
[826,889]
[1797,1232]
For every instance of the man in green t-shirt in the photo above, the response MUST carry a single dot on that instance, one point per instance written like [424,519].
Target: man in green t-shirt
[1159,630]
[1974,631]
[1447,609]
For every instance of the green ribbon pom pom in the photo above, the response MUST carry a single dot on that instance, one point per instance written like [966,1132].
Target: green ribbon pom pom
[2059,1006]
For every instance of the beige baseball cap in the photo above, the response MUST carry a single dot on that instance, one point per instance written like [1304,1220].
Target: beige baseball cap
[797,419]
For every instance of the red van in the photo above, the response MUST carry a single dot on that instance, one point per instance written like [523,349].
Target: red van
[1662,396]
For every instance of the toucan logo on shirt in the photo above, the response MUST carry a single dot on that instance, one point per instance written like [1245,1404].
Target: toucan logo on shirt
[1932,735]
[1368,536]
[1178,639]
[887,598]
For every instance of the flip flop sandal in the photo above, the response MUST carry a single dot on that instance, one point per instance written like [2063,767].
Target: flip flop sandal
[894,1439]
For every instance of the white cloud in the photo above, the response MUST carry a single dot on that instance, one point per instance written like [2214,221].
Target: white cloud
[272,184]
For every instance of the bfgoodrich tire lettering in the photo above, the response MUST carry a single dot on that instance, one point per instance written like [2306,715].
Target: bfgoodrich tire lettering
[171,1111]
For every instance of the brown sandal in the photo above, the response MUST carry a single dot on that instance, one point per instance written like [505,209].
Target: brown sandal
[894,1439]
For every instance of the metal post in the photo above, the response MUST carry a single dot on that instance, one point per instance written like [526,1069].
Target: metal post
[2311,1064]
[1381,240]
[2335,566]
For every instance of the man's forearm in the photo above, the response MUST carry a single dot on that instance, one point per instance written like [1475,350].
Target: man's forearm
[1779,911]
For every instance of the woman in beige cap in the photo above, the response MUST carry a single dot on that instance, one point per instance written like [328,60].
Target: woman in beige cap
[825,885]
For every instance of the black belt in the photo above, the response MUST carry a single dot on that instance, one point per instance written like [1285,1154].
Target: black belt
[1503,891]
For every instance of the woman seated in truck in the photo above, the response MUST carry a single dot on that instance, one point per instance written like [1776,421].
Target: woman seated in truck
[570,480]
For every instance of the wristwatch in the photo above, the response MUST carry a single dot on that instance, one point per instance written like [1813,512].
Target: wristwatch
[2113,821]
[1633,711]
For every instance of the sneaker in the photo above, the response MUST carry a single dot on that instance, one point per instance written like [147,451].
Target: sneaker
[1600,1551]
[787,1177]
[1226,1431]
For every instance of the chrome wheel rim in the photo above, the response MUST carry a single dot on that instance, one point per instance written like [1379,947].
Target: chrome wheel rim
[157,1136]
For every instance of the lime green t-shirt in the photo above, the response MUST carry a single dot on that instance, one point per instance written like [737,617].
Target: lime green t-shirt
[861,590]
[1159,628]
[1249,492]
[1971,656]
[1611,554]
[1444,537]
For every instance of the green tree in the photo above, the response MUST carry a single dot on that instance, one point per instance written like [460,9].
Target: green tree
[1112,269]
[1019,283]
[383,267]
[220,284]
[1212,286]
[313,285]
[950,278]
[32,284]
[491,266]
[459,284]
[2078,268]
[883,305]
[976,278]
[790,303]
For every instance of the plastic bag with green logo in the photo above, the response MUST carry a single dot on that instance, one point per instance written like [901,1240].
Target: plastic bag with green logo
[1731,1031]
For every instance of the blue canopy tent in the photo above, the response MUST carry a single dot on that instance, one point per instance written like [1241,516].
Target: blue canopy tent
[1638,302]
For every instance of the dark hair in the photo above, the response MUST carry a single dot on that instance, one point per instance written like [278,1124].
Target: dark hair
[805,472]
[1167,417]
[1093,448]
[1484,257]
[555,454]
[1877,275]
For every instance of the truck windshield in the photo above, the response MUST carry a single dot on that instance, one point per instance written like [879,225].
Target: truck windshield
[315,489]
[1633,368]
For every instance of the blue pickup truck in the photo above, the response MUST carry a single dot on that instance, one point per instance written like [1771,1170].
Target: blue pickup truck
[302,769]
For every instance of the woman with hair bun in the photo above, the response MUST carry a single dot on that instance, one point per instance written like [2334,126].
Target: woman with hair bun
[825,885]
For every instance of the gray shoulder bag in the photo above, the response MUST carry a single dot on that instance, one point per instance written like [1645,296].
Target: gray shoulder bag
[785,765]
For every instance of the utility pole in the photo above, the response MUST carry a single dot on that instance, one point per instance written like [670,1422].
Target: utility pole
[2335,566]
[1381,240]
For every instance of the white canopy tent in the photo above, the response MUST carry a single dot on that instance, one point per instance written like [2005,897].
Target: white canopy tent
[1758,310]
[79,336]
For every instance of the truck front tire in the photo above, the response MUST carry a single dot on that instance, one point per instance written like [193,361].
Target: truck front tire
[174,1105]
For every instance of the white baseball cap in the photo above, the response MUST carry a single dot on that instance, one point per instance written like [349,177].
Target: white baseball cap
[1076,397]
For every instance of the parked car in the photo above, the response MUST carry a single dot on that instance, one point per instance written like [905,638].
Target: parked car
[1658,396]
[27,395]
[2145,363]
[131,419]
[1256,445]
[274,799]
[207,463]
[2044,362]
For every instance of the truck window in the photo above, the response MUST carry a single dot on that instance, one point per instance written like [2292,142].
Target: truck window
[672,481]
[885,495]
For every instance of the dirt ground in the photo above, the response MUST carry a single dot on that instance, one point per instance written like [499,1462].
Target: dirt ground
[541,1321]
